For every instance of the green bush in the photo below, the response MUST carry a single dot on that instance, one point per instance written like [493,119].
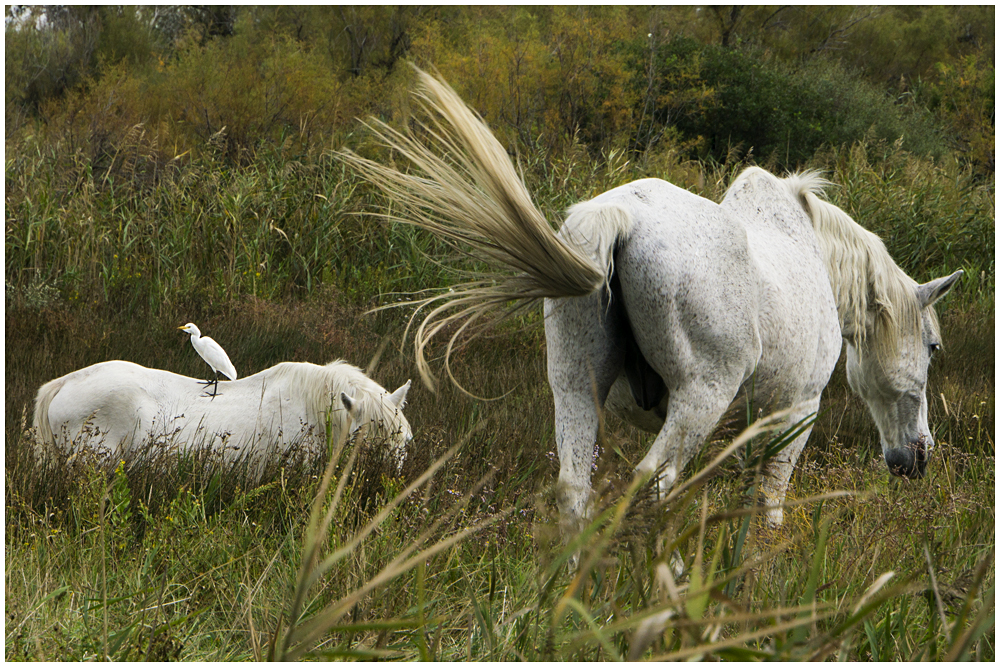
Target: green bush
[964,94]
[784,114]
[248,90]
[44,64]
[934,217]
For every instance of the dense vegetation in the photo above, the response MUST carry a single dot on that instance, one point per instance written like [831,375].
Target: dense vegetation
[174,164]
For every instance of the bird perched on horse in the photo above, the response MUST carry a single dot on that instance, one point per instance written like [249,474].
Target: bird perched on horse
[214,356]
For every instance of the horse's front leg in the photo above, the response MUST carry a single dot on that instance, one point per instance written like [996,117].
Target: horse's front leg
[778,469]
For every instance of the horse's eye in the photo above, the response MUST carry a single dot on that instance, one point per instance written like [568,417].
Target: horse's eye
[934,347]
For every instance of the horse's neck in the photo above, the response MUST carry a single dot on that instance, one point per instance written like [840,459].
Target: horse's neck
[318,388]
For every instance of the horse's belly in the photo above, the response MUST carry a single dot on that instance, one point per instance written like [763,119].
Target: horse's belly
[622,404]
[105,429]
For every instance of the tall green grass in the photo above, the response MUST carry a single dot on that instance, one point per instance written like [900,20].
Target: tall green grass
[137,565]
[428,571]
[287,224]
[199,569]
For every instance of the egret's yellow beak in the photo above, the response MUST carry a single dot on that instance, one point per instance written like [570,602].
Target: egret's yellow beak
[181,328]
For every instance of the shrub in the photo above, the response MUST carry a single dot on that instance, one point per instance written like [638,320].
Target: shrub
[247,90]
[783,113]
[934,217]
[965,96]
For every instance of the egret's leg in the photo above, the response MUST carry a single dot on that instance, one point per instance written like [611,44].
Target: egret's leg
[215,385]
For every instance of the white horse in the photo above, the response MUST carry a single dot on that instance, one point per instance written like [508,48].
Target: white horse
[667,308]
[117,408]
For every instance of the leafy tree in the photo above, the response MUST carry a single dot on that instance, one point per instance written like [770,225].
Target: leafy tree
[965,95]
[48,54]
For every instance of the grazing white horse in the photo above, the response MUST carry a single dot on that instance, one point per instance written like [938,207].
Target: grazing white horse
[116,408]
[668,308]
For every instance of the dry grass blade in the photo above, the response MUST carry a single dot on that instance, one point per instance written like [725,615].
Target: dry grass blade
[599,542]
[313,532]
[872,590]
[934,587]
[707,649]
[649,630]
[326,620]
[656,614]
[771,422]
[340,553]
[298,638]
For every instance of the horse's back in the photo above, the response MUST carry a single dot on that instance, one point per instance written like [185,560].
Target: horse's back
[736,289]
[744,278]
[685,239]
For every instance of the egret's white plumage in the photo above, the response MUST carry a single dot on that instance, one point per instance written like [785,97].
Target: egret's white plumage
[211,352]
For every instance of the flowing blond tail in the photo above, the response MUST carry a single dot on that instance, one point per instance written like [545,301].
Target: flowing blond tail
[41,423]
[465,190]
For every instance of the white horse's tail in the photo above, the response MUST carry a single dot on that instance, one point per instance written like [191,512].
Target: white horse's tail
[40,422]
[595,229]
[467,192]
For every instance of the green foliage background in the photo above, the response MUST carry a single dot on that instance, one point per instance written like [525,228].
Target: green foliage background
[172,164]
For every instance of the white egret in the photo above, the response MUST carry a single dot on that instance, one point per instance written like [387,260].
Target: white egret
[213,354]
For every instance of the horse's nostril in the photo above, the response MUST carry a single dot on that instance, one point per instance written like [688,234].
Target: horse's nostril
[908,461]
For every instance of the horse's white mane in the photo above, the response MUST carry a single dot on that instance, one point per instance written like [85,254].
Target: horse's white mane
[862,273]
[320,386]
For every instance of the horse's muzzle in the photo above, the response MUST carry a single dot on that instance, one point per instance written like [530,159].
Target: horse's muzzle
[908,461]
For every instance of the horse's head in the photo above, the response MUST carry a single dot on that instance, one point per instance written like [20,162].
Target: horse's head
[892,379]
[384,414]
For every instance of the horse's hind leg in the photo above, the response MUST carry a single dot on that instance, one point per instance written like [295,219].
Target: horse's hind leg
[583,363]
[692,413]
[577,421]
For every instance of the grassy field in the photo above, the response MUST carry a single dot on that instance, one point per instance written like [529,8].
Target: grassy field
[182,562]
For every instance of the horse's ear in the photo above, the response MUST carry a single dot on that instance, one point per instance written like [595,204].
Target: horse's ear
[398,397]
[351,404]
[930,292]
